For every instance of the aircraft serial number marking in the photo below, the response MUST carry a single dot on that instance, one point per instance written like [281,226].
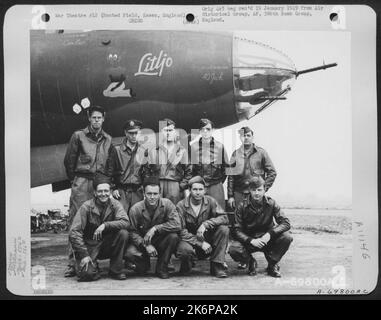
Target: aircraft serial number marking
[213,76]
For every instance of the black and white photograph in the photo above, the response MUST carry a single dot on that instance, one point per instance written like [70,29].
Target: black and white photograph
[193,161]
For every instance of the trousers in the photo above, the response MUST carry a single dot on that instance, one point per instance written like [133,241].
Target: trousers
[129,196]
[217,192]
[165,245]
[273,251]
[81,190]
[170,189]
[113,246]
[218,238]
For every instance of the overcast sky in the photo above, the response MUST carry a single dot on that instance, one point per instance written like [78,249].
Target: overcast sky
[308,136]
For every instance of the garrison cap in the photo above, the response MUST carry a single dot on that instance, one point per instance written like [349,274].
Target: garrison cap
[151,181]
[245,130]
[168,122]
[204,122]
[196,179]
[88,274]
[100,178]
[133,125]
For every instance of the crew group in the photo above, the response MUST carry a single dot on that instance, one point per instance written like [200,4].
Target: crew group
[129,204]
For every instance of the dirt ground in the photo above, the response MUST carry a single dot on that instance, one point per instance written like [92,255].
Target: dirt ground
[321,242]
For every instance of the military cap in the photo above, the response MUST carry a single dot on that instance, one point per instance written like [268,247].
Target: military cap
[168,122]
[196,179]
[90,273]
[132,125]
[245,130]
[94,109]
[204,122]
[151,181]
[100,178]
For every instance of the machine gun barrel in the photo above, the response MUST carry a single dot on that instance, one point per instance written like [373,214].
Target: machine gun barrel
[325,66]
